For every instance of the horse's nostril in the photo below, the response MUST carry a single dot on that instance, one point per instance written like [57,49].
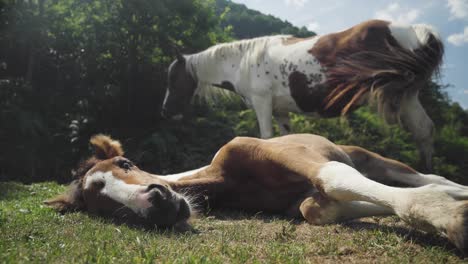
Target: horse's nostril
[155,186]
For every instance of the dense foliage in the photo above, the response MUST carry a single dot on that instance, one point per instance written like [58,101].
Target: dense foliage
[248,23]
[71,68]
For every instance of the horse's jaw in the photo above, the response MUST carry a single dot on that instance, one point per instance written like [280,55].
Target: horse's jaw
[178,117]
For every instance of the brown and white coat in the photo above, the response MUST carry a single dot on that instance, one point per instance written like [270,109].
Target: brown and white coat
[375,61]
[301,176]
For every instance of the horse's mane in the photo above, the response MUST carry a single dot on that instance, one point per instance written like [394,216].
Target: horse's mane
[387,75]
[252,49]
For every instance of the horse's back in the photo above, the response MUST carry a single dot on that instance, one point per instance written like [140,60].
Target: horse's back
[246,151]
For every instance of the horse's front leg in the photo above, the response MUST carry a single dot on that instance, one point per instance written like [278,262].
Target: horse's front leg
[262,106]
[416,121]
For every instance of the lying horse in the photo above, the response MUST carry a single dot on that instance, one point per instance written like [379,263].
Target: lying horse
[301,176]
[375,61]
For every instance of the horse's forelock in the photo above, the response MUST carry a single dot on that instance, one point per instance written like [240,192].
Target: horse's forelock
[84,167]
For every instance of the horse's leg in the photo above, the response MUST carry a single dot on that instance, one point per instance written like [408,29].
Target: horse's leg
[283,123]
[415,119]
[263,108]
[436,208]
[388,171]
[319,210]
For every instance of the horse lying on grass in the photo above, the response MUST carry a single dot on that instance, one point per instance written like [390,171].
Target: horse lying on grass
[376,61]
[301,176]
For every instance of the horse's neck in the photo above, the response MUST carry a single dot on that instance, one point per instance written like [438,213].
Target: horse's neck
[179,176]
[206,180]
[208,70]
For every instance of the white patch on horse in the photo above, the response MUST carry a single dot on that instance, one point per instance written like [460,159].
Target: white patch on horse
[423,31]
[405,35]
[131,195]
[430,207]
[258,69]
[412,37]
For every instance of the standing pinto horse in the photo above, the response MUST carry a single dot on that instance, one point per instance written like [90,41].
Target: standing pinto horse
[376,61]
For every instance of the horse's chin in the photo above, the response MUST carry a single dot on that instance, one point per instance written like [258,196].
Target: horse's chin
[178,117]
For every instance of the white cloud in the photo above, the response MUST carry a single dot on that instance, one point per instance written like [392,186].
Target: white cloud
[296,3]
[460,38]
[458,8]
[313,26]
[394,12]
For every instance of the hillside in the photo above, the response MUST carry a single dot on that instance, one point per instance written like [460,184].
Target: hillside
[248,23]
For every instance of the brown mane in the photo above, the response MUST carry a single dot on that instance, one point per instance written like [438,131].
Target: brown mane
[366,59]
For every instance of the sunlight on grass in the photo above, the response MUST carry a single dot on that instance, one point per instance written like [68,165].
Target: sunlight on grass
[29,231]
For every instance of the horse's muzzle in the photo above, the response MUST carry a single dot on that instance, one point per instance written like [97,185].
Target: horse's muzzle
[166,115]
[167,207]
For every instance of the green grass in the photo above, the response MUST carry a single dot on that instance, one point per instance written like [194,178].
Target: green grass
[31,232]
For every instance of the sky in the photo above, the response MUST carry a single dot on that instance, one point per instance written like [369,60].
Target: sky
[449,17]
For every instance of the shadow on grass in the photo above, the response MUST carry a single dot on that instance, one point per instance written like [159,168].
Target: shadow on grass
[408,234]
[420,238]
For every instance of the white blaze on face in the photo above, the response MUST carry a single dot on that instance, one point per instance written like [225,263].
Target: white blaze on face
[132,196]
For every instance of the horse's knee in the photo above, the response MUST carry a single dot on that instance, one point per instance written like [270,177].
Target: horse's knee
[318,210]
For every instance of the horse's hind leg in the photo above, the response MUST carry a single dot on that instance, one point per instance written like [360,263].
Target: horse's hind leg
[319,210]
[432,208]
[415,120]
[388,171]
[283,123]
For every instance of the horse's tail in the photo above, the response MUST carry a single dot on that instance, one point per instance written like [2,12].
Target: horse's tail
[386,74]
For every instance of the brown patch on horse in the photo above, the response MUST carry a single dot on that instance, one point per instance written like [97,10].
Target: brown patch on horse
[309,96]
[105,147]
[367,61]
[225,85]
[365,35]
[304,95]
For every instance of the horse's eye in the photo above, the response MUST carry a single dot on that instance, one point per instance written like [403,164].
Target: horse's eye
[125,164]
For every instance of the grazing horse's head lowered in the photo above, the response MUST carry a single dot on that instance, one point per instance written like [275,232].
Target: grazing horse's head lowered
[180,89]
[112,186]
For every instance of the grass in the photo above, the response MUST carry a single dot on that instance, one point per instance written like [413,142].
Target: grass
[31,232]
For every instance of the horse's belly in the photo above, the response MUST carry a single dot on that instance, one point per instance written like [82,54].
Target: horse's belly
[285,104]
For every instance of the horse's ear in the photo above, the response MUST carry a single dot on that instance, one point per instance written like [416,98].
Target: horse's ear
[69,201]
[179,56]
[105,147]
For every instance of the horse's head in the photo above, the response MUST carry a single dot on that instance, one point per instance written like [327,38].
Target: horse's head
[181,87]
[112,186]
